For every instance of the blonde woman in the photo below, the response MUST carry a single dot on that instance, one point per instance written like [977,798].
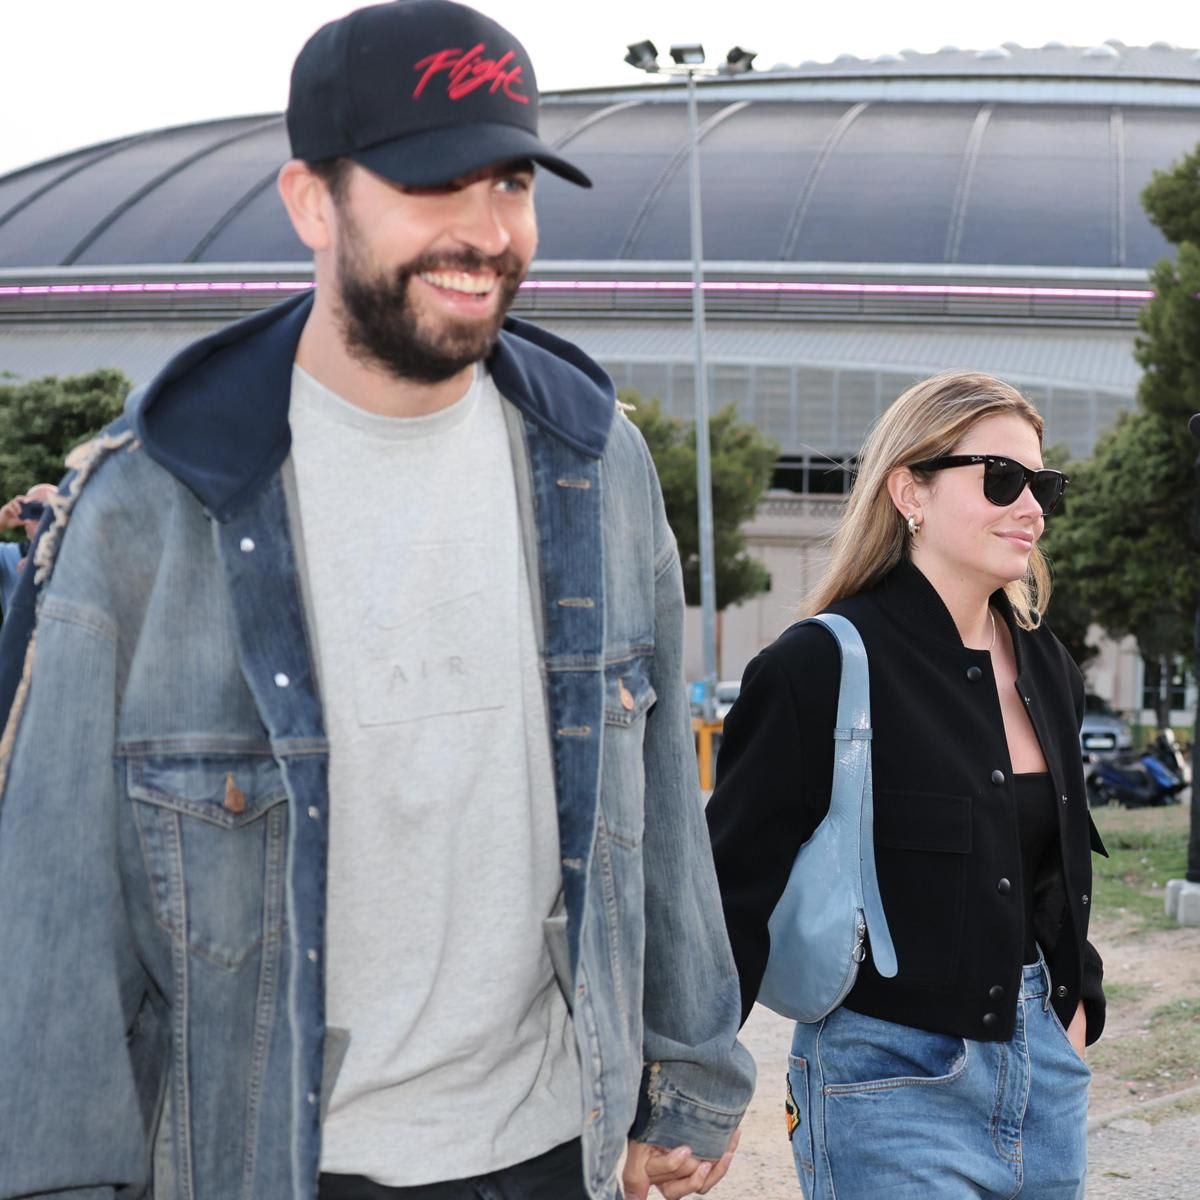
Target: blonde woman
[964,1076]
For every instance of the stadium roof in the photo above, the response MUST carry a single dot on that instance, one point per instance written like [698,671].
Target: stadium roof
[1000,157]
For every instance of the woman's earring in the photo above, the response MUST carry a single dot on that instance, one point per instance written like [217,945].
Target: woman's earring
[914,526]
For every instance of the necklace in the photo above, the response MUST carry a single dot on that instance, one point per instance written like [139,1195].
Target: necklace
[992,643]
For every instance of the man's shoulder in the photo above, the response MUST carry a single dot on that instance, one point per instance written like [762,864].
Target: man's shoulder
[113,492]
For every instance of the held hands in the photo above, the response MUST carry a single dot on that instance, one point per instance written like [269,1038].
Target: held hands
[676,1173]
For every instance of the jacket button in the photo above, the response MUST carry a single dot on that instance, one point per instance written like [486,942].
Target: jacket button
[995,992]
[974,674]
[990,1020]
[1085,897]
[1061,991]
[1003,887]
[998,778]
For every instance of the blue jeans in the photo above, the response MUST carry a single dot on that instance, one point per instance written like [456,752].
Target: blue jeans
[880,1109]
[555,1175]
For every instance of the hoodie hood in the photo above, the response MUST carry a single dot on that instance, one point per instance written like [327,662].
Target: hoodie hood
[216,416]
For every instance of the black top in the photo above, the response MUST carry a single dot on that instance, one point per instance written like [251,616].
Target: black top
[945,815]
[1037,828]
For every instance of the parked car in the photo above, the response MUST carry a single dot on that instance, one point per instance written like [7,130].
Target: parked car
[726,694]
[1103,734]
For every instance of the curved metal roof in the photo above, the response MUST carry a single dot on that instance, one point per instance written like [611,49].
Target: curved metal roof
[1006,158]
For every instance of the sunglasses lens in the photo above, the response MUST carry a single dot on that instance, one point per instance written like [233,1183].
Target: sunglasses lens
[1047,489]
[1003,481]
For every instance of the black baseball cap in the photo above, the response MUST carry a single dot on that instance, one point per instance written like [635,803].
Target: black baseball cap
[419,92]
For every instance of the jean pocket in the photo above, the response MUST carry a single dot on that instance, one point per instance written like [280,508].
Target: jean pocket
[865,1054]
[1066,1037]
[799,1119]
[213,831]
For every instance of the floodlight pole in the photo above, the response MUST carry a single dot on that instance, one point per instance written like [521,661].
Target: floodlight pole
[704,505]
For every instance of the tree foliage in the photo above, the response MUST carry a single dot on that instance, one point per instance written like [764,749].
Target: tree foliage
[1125,553]
[1116,552]
[742,461]
[42,419]
[1069,615]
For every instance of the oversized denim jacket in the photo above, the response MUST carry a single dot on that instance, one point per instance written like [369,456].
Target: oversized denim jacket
[164,798]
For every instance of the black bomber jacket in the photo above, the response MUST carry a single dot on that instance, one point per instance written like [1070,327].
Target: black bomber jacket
[946,844]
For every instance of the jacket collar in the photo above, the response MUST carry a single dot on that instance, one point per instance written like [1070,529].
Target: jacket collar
[910,600]
[216,417]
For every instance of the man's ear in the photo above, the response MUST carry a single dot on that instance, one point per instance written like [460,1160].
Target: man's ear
[903,488]
[309,204]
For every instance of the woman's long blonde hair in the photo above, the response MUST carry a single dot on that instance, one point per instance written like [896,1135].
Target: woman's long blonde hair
[929,420]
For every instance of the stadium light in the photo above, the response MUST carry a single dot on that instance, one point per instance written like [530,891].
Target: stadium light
[689,60]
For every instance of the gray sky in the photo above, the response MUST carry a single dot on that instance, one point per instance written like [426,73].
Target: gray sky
[75,72]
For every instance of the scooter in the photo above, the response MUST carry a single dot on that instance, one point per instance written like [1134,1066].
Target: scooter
[1166,757]
[1126,782]
[1151,779]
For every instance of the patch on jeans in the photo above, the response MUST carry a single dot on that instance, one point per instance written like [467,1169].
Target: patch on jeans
[793,1113]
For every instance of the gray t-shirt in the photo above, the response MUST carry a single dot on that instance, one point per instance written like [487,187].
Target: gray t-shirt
[443,852]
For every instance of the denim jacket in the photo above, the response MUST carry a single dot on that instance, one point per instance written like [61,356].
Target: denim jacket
[164,800]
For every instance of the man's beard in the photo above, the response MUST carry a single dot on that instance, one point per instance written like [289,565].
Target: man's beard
[381,326]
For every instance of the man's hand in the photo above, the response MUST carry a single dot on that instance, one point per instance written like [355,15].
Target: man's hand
[10,514]
[1077,1031]
[676,1173]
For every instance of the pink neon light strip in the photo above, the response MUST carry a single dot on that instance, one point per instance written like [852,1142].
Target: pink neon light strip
[107,289]
[769,287]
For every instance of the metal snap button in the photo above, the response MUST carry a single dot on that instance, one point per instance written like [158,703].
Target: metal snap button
[990,1020]
[974,674]
[281,680]
[995,992]
[1003,887]
[998,778]
[246,545]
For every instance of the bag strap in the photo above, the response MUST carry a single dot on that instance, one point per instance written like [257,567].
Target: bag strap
[852,783]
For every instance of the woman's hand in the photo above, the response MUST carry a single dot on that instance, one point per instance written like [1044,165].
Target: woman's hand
[1077,1031]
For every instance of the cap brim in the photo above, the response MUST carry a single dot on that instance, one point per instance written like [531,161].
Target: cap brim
[436,156]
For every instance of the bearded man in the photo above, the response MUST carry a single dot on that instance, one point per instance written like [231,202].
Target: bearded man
[358,854]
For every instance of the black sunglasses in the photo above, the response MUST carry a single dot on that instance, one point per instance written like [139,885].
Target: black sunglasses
[1004,479]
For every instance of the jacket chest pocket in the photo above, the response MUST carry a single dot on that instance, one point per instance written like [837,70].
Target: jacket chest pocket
[213,832]
[922,855]
[628,698]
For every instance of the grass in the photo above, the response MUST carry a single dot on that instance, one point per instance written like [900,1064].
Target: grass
[1166,1051]
[1117,992]
[1146,847]
[1159,1047]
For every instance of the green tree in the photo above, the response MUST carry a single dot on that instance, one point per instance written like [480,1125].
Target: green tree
[1070,615]
[742,461]
[42,419]
[1116,551]
[1129,545]
[1169,351]
[1124,554]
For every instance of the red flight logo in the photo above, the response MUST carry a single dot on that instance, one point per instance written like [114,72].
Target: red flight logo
[470,71]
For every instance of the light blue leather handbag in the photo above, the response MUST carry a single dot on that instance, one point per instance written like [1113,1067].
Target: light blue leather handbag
[831,903]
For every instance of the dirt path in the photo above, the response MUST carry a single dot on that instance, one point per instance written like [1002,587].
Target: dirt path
[1147,970]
